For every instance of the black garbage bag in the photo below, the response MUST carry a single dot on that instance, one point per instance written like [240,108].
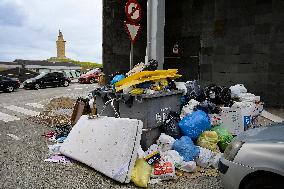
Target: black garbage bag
[226,97]
[208,107]
[170,126]
[195,91]
[213,93]
[151,65]
[218,94]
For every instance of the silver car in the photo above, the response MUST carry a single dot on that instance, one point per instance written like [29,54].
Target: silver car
[254,159]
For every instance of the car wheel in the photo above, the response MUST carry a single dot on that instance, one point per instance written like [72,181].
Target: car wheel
[37,86]
[10,89]
[272,182]
[66,84]
[92,81]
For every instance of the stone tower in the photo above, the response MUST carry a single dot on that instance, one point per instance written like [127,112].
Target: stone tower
[60,43]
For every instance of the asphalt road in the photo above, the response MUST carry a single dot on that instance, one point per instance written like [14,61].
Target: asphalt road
[22,154]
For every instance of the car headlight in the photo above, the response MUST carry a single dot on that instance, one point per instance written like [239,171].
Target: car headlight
[232,150]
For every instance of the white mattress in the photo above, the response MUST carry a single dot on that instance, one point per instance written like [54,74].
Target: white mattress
[107,144]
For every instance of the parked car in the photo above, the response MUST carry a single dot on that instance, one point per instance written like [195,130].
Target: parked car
[52,79]
[91,76]
[9,84]
[255,159]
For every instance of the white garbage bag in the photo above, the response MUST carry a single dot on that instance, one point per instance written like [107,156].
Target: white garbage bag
[236,90]
[165,142]
[188,109]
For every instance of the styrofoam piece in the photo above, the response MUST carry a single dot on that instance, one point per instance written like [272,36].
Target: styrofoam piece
[271,116]
[238,118]
[107,144]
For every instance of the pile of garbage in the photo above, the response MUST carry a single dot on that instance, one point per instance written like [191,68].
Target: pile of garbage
[144,78]
[57,112]
[192,145]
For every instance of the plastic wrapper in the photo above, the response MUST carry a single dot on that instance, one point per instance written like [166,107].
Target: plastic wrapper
[215,120]
[152,155]
[189,166]
[192,125]
[165,142]
[209,140]
[189,108]
[141,173]
[205,158]
[164,170]
[171,125]
[185,147]
[224,137]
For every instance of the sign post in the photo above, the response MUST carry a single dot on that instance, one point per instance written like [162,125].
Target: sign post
[133,13]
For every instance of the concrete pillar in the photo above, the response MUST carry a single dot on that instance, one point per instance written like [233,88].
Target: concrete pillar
[155,31]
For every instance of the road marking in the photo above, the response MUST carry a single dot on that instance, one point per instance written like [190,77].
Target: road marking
[78,88]
[22,110]
[6,117]
[13,136]
[35,105]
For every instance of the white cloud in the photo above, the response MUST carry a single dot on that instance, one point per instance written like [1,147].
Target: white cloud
[30,30]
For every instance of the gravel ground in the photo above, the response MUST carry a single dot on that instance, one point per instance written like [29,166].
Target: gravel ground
[22,165]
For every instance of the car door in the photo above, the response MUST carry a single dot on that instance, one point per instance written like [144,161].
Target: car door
[2,83]
[59,78]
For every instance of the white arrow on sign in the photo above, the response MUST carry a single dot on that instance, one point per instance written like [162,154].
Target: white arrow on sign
[133,30]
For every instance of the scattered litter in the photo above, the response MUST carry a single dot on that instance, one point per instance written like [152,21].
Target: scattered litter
[170,126]
[224,137]
[185,147]
[14,137]
[209,140]
[194,124]
[152,155]
[165,142]
[141,173]
[58,159]
[54,149]
[164,170]
[188,167]
[189,108]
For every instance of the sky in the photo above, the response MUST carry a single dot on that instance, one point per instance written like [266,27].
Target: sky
[29,29]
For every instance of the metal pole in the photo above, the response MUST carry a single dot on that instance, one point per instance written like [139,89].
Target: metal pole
[131,57]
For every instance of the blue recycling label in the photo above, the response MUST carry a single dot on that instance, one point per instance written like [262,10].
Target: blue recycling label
[247,122]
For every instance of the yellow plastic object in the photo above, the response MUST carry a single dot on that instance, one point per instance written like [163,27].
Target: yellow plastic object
[209,140]
[160,84]
[137,91]
[144,76]
[141,173]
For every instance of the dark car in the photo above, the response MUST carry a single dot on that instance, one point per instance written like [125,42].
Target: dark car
[52,79]
[9,84]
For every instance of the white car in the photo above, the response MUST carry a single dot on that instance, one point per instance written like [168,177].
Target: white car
[254,159]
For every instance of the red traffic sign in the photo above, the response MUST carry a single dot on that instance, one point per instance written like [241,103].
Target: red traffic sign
[133,30]
[133,11]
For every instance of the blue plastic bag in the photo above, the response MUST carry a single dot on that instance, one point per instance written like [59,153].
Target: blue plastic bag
[194,124]
[185,147]
[117,78]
